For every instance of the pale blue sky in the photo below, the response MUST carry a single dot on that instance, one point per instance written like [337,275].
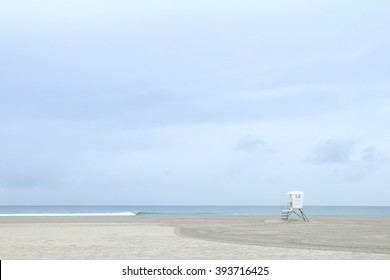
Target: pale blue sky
[194,102]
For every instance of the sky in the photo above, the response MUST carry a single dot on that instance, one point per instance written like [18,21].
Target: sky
[168,102]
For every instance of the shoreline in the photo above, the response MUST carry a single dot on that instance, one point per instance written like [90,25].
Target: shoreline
[188,210]
[195,237]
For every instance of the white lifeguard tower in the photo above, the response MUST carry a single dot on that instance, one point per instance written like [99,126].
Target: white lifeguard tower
[295,202]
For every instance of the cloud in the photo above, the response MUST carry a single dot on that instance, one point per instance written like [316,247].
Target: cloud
[250,144]
[343,151]
[371,154]
[332,151]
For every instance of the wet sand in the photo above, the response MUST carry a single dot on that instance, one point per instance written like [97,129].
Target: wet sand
[194,237]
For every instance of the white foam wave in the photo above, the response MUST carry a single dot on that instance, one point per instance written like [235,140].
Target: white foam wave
[67,214]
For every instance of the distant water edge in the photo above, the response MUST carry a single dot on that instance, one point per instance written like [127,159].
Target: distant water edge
[184,210]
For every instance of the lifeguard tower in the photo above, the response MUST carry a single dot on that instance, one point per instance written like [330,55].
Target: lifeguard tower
[295,202]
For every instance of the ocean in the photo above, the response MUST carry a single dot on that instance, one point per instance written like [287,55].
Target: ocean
[186,210]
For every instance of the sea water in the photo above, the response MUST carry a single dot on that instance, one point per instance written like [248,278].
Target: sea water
[186,210]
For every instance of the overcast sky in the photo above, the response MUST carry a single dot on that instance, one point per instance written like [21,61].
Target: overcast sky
[197,102]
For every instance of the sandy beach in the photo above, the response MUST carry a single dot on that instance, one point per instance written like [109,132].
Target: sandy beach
[194,237]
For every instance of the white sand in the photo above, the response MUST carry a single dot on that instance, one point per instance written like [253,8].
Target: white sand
[325,237]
